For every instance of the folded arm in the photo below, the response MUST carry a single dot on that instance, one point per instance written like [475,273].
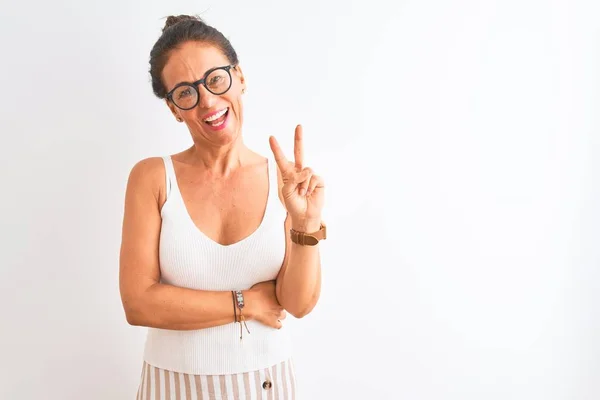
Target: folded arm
[146,301]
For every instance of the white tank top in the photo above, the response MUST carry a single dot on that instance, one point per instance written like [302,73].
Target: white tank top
[188,258]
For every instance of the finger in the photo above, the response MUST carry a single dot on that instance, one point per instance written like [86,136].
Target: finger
[293,180]
[282,315]
[302,176]
[303,186]
[280,159]
[315,182]
[298,148]
[270,320]
[277,322]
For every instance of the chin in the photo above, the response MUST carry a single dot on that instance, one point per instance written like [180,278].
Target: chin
[222,137]
[226,137]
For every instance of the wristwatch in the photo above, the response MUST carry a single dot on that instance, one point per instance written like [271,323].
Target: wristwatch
[309,239]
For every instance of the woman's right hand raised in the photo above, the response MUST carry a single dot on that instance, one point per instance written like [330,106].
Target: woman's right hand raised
[261,305]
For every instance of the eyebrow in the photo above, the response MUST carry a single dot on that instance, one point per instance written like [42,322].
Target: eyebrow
[203,77]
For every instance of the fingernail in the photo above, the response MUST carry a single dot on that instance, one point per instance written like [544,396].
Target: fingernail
[302,192]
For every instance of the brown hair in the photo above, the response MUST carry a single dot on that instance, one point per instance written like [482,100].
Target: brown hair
[178,30]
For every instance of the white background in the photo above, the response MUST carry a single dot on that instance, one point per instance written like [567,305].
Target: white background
[460,145]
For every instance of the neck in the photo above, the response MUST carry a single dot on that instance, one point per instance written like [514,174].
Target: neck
[219,160]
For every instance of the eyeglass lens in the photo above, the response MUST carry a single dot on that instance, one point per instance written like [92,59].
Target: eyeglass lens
[217,82]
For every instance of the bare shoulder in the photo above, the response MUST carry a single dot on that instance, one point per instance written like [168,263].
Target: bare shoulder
[148,168]
[148,176]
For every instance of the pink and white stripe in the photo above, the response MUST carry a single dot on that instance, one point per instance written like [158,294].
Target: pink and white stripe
[160,384]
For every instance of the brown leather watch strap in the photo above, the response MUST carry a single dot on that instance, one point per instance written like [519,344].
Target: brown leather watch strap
[309,239]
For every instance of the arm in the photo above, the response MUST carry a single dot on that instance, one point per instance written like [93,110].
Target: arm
[299,281]
[146,301]
[302,194]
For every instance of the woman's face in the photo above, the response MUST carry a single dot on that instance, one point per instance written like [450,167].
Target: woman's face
[190,63]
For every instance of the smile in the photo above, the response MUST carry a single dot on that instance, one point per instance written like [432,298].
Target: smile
[217,119]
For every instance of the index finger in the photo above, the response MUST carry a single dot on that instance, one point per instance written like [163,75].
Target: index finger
[299,148]
[280,159]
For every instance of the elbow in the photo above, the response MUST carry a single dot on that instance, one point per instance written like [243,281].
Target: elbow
[134,314]
[138,309]
[295,305]
[299,315]
[133,319]
[301,309]
[295,310]
[301,312]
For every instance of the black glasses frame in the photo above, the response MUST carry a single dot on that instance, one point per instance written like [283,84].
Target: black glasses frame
[202,82]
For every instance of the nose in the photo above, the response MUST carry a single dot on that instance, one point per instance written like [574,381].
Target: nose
[207,99]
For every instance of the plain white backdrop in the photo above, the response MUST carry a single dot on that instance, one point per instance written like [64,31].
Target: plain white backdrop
[460,145]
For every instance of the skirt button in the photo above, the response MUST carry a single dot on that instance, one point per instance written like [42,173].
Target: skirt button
[267,385]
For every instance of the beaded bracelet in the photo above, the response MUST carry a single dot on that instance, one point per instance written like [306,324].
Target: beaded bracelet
[239,298]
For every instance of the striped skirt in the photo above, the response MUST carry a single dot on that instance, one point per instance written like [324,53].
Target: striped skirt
[275,383]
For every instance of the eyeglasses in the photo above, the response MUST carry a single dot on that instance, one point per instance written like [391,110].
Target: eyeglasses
[216,80]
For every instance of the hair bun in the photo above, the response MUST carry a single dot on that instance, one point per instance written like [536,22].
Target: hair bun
[175,19]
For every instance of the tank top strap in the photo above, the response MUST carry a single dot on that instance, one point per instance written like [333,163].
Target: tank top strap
[170,179]
[273,181]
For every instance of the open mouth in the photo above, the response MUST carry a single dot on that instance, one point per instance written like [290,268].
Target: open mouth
[218,118]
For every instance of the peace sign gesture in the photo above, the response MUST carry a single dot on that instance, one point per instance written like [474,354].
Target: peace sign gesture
[303,190]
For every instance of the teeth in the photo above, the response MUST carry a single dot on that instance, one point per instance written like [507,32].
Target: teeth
[216,116]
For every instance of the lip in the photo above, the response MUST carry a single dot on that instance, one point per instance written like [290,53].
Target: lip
[220,127]
[212,113]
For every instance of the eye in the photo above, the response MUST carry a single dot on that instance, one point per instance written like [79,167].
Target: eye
[184,93]
[215,80]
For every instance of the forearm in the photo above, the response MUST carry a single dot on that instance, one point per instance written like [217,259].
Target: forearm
[299,287]
[171,307]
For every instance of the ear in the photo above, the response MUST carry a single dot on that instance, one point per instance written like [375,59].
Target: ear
[240,74]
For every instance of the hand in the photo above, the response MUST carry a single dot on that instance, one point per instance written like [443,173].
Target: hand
[303,190]
[261,305]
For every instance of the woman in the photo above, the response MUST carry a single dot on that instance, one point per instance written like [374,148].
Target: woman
[218,241]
